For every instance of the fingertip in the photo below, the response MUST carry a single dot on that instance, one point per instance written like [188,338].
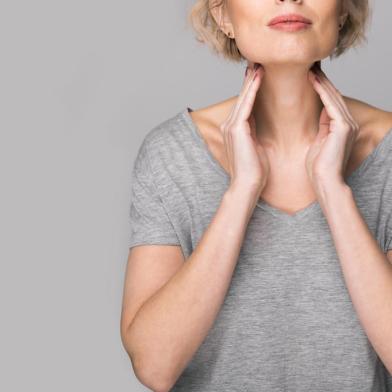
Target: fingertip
[246,71]
[258,74]
[312,76]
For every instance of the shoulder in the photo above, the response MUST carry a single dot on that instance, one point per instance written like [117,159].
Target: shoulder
[209,118]
[163,132]
[164,140]
[214,114]
[374,124]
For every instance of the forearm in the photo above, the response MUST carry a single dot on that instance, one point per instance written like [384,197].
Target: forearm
[169,327]
[366,269]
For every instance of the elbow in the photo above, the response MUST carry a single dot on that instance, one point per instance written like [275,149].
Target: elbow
[146,371]
[152,379]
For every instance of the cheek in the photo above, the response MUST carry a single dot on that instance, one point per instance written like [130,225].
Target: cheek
[327,26]
[252,42]
[328,33]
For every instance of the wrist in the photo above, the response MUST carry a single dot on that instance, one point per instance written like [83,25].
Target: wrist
[332,194]
[240,196]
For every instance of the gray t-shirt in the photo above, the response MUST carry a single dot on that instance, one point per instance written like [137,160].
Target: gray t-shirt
[287,322]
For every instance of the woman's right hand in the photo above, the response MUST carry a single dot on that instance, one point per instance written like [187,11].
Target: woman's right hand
[247,158]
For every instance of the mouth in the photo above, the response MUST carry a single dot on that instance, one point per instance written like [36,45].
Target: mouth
[289,18]
[289,21]
[290,26]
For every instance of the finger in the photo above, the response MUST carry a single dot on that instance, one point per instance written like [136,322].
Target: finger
[245,83]
[252,124]
[245,91]
[338,95]
[328,90]
[333,109]
[228,154]
[335,94]
[321,74]
[323,126]
[247,103]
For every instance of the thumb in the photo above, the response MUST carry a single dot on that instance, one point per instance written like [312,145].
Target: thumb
[323,126]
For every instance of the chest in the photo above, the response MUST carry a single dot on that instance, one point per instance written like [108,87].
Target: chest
[287,313]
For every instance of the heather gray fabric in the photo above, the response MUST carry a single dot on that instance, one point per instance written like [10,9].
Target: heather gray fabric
[287,322]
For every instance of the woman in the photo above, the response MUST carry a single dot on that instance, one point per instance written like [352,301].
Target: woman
[261,244]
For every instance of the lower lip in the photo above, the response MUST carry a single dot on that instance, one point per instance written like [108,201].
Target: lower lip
[290,26]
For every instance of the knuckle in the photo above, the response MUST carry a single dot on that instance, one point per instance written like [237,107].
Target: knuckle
[235,124]
[229,127]
[355,131]
[345,126]
[353,127]
[223,127]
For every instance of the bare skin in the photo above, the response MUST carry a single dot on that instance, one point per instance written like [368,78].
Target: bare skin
[288,187]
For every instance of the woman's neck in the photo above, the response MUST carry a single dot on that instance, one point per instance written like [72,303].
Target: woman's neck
[287,108]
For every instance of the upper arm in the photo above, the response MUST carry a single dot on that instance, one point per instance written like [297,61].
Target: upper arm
[149,267]
[155,252]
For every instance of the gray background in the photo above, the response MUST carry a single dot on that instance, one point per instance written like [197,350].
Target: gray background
[82,82]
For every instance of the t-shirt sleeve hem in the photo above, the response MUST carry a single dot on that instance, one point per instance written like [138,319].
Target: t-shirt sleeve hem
[153,241]
[389,245]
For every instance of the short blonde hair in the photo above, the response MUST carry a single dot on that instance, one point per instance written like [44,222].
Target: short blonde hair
[201,19]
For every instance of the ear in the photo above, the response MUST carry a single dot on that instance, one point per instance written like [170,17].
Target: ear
[219,13]
[343,12]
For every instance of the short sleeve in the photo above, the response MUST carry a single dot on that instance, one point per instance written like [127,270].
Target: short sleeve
[149,221]
[387,206]
[388,238]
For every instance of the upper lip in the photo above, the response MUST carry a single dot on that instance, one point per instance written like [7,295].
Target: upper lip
[289,17]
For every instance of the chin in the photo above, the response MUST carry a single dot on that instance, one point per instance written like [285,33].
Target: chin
[289,60]
[295,56]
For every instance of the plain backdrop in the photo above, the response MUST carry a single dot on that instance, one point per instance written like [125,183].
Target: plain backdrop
[81,83]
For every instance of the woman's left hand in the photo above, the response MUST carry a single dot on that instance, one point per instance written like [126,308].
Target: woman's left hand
[327,157]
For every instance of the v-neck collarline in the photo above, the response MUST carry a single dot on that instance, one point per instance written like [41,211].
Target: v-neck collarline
[261,203]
